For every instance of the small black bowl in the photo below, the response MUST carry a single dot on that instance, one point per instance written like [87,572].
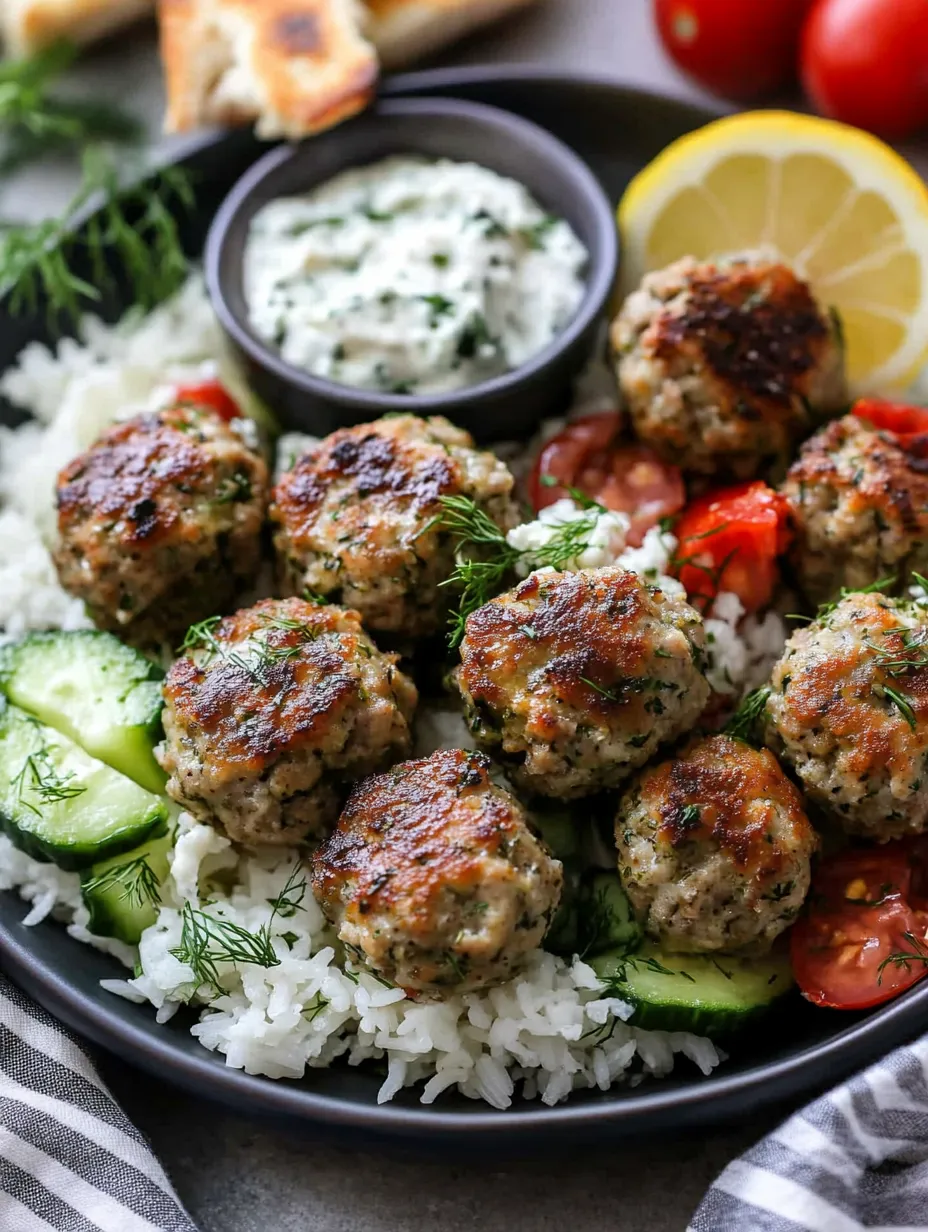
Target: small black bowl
[508,405]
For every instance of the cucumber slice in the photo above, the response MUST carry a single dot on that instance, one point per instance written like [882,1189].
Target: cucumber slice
[714,995]
[606,919]
[60,804]
[594,915]
[102,694]
[123,893]
[559,831]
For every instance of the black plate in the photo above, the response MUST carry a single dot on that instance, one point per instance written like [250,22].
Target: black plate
[617,130]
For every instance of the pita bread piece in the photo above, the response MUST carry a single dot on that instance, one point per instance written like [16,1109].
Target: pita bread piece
[293,66]
[27,26]
[404,31]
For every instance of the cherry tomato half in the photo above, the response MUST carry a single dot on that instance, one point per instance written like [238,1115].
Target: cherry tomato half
[729,540]
[864,936]
[738,48]
[630,479]
[213,395]
[866,62]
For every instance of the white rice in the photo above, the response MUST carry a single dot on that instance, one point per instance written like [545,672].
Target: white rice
[548,1032]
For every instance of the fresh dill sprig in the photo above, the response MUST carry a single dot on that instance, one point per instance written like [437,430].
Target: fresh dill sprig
[615,983]
[207,940]
[35,123]
[743,723]
[202,636]
[825,609]
[42,780]
[137,879]
[912,656]
[902,704]
[481,576]
[135,231]
[904,958]
[290,900]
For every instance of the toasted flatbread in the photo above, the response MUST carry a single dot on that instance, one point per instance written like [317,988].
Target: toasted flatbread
[293,66]
[28,25]
[404,31]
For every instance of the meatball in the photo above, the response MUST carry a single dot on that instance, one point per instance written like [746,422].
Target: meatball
[722,367]
[714,848]
[358,518]
[434,879]
[269,712]
[576,678]
[160,522]
[848,711]
[859,506]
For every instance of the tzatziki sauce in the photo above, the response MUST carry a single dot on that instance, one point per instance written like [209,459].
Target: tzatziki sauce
[411,277]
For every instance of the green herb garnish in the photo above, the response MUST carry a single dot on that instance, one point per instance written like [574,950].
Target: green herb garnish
[41,779]
[35,123]
[743,723]
[904,958]
[825,609]
[479,578]
[134,232]
[136,878]
[208,940]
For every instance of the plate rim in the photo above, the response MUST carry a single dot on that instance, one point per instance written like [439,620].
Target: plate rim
[649,1107]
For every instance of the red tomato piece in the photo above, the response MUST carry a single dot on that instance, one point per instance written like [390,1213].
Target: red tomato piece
[864,936]
[729,541]
[738,48]
[866,62]
[630,479]
[213,395]
[898,418]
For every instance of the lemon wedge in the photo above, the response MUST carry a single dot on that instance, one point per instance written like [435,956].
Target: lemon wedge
[847,212]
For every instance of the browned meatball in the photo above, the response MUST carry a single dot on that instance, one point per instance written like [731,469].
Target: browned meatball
[723,366]
[434,879]
[357,518]
[272,710]
[577,678]
[859,505]
[160,522]
[848,711]
[714,848]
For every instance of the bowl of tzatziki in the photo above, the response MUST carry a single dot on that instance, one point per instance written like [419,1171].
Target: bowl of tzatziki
[433,255]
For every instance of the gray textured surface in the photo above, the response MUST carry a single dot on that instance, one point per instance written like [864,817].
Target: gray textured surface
[237,1176]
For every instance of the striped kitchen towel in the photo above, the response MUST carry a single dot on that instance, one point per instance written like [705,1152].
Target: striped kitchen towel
[70,1160]
[855,1159]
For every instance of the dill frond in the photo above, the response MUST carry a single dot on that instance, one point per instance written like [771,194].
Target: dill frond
[137,879]
[485,560]
[743,723]
[35,123]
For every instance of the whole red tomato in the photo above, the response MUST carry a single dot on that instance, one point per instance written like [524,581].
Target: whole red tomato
[866,62]
[739,48]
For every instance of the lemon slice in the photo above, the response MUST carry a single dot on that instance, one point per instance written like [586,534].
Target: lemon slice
[841,207]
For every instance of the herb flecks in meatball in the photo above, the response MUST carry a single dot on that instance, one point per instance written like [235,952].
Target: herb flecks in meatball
[577,678]
[358,518]
[724,366]
[160,522]
[270,713]
[859,506]
[848,711]
[434,879]
[715,848]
